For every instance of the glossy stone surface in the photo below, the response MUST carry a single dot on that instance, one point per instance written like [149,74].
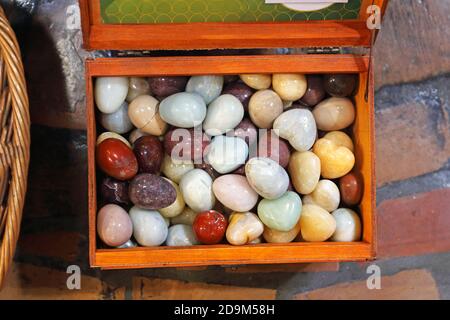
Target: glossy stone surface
[117,121]
[196,187]
[351,186]
[348,225]
[224,114]
[176,207]
[149,153]
[114,191]
[116,159]
[257,81]
[334,114]
[340,85]
[275,236]
[336,161]
[183,110]
[137,87]
[245,130]
[128,244]
[234,192]
[111,135]
[267,177]
[315,91]
[298,127]
[149,227]
[281,214]
[186,144]
[341,139]
[110,93]
[114,225]
[244,228]
[272,147]
[152,192]
[326,195]
[209,86]
[226,154]
[166,86]
[181,235]
[264,107]
[210,227]
[316,224]
[174,169]
[186,217]
[241,91]
[144,114]
[290,87]
[304,170]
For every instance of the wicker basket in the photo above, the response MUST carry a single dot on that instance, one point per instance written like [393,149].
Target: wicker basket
[14,143]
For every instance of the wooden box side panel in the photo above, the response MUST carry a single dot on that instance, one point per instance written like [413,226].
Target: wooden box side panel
[225,254]
[364,139]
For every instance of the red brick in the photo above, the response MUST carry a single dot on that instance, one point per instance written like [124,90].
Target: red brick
[414,225]
[60,245]
[28,282]
[406,285]
[291,268]
[165,289]
[413,43]
[403,134]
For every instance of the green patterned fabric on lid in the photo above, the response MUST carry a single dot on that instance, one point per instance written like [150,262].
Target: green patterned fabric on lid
[189,11]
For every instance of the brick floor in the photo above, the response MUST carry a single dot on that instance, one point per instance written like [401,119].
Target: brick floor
[405,285]
[163,289]
[414,225]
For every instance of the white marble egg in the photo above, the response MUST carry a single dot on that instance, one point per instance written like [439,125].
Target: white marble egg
[226,154]
[298,127]
[223,114]
[348,225]
[181,235]
[118,121]
[183,110]
[196,188]
[209,87]
[150,229]
[267,177]
[110,93]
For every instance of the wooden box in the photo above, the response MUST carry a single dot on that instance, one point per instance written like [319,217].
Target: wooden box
[208,35]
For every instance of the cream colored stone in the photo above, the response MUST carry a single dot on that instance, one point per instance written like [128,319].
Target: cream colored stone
[144,114]
[174,169]
[326,195]
[316,224]
[244,228]
[111,135]
[264,107]
[275,236]
[289,86]
[175,208]
[341,139]
[186,217]
[304,170]
[334,114]
[257,81]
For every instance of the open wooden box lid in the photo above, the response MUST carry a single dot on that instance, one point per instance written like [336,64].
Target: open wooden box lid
[219,24]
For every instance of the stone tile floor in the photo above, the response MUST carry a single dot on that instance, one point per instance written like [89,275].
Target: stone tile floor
[413,171]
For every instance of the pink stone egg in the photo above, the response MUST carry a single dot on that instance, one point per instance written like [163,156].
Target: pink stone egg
[114,225]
